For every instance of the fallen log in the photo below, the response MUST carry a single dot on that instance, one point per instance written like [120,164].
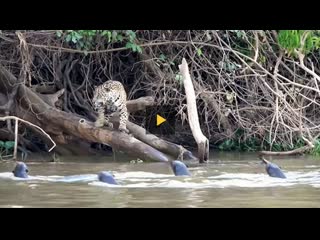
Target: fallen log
[297,151]
[140,104]
[175,150]
[310,145]
[34,109]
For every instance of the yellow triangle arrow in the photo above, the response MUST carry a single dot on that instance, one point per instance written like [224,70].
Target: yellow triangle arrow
[160,120]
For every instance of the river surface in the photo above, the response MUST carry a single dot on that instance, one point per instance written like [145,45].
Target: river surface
[227,180]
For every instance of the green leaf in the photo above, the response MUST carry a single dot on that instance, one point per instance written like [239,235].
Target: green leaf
[139,49]
[9,145]
[1,143]
[178,77]
[128,45]
[114,36]
[120,38]
[59,33]
[199,52]
[131,33]
[92,32]
[104,33]
[162,57]
[74,39]
[78,35]
[134,47]
[109,34]
[68,38]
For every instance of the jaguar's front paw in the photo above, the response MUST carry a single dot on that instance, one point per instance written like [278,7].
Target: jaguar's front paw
[123,130]
[98,124]
[110,125]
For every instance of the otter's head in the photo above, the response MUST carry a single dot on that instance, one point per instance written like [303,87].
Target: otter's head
[107,177]
[21,170]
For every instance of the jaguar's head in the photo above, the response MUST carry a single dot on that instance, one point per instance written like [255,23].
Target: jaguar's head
[98,100]
[97,103]
[105,94]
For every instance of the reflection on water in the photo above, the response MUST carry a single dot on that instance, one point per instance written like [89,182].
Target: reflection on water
[228,180]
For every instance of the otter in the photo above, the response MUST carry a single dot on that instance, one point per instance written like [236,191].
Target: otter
[21,170]
[272,169]
[179,168]
[107,177]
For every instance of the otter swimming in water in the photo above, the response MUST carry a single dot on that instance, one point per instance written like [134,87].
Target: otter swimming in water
[272,169]
[179,168]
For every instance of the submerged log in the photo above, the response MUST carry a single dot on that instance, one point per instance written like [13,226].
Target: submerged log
[34,109]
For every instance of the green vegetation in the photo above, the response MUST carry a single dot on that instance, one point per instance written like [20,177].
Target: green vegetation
[6,148]
[316,150]
[303,41]
[239,143]
[253,144]
[87,39]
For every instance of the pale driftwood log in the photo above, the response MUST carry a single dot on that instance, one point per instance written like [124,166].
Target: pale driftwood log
[202,141]
[287,153]
[15,150]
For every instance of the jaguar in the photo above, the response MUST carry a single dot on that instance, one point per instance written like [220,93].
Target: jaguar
[110,98]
